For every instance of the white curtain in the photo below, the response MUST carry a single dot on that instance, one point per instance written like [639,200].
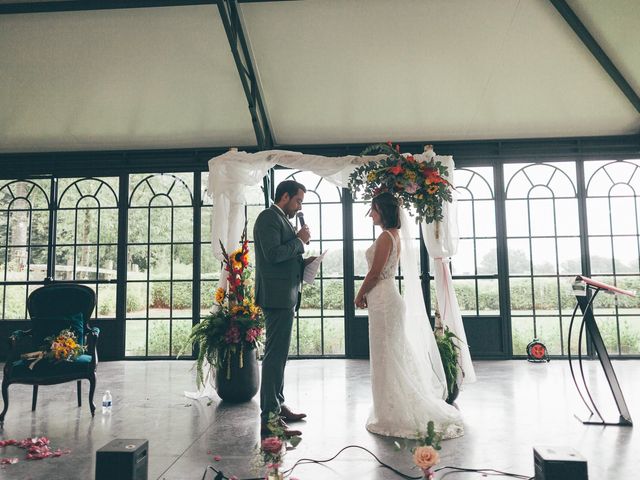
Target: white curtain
[441,240]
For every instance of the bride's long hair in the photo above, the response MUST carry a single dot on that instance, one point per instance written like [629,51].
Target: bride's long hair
[388,206]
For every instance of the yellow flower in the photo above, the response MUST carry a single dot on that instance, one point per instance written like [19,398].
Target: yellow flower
[237,309]
[432,189]
[410,175]
[220,295]
[371,177]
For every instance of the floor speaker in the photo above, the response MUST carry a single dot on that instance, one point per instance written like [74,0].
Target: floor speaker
[123,459]
[559,463]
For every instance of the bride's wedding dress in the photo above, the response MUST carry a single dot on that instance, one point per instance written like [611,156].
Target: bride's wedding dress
[407,392]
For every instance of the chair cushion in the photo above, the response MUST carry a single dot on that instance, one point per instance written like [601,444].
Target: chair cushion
[21,367]
[44,327]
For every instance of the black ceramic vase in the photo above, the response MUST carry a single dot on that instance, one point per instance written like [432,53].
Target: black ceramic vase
[235,384]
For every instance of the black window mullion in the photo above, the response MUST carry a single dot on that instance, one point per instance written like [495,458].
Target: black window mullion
[197,247]
[53,218]
[502,257]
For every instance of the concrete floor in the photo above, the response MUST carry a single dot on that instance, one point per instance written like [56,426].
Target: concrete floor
[514,406]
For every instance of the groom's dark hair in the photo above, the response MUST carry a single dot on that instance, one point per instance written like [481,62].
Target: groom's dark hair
[288,186]
[388,206]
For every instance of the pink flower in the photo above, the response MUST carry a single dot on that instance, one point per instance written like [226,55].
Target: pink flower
[232,335]
[252,334]
[411,188]
[425,457]
[217,458]
[272,445]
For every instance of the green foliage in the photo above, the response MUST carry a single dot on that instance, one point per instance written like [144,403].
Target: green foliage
[332,298]
[449,356]
[161,295]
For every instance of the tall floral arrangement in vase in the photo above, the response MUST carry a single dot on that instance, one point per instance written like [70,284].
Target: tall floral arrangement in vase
[236,323]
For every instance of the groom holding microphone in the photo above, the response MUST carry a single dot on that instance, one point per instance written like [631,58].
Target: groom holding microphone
[279,270]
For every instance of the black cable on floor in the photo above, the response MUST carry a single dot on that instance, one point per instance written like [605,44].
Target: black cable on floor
[484,471]
[303,461]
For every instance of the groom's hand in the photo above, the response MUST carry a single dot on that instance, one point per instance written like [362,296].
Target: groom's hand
[304,234]
[308,260]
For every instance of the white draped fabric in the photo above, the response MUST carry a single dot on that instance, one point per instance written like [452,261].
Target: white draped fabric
[441,240]
[233,171]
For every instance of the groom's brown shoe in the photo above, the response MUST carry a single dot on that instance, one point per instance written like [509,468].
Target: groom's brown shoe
[265,431]
[289,416]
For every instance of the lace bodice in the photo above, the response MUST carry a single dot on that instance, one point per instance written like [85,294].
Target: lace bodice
[391,267]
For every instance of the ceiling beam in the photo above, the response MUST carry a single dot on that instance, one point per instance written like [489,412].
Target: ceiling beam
[81,5]
[587,39]
[235,29]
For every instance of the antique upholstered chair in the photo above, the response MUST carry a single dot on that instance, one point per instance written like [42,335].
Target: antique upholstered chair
[53,308]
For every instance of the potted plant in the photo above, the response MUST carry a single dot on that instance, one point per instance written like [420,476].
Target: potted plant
[228,339]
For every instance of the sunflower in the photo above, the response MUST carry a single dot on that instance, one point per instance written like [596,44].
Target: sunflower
[220,295]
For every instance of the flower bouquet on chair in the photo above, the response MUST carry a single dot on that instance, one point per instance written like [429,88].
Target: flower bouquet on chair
[229,338]
[62,347]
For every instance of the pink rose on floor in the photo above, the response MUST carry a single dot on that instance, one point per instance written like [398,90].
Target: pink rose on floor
[425,457]
[272,445]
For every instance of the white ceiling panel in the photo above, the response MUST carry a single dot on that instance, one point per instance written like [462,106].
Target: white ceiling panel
[108,79]
[615,24]
[364,70]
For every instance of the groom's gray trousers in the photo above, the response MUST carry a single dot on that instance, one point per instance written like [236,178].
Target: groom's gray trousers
[278,324]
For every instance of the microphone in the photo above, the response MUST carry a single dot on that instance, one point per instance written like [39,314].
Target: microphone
[300,217]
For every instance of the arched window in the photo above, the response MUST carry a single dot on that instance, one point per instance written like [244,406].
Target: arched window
[319,325]
[86,242]
[24,231]
[613,212]
[474,267]
[160,264]
[543,241]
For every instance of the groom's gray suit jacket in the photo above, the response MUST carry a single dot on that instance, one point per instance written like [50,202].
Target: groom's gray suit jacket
[279,263]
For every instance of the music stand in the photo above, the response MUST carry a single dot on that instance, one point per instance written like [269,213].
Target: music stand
[585,302]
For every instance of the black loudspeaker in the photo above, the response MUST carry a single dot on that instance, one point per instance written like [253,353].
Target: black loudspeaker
[559,463]
[123,459]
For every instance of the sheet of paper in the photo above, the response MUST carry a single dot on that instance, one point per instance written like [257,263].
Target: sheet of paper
[311,270]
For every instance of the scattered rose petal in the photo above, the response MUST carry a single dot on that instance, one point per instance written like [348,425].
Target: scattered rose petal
[217,458]
[37,448]
[8,461]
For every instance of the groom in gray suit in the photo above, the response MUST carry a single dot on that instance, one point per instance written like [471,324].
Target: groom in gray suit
[279,268]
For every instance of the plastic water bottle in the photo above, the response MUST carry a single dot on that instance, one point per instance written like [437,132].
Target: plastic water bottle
[107,402]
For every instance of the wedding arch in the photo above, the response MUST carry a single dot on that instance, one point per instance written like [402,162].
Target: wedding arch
[232,172]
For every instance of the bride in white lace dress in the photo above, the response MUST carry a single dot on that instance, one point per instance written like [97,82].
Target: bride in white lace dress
[407,390]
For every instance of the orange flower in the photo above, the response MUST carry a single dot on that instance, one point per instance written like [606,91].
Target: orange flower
[425,457]
[396,170]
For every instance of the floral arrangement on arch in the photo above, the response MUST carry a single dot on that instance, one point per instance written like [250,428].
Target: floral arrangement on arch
[63,347]
[236,322]
[419,183]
